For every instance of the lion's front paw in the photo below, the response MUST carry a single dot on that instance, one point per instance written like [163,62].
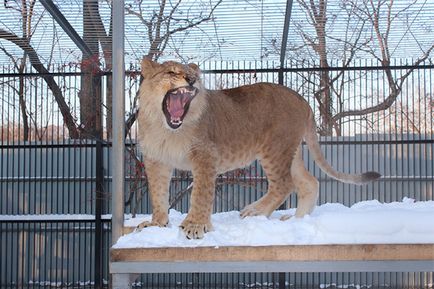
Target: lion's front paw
[254,209]
[285,217]
[146,224]
[194,230]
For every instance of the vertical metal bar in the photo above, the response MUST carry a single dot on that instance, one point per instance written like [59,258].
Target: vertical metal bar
[39,250]
[282,280]
[3,251]
[70,200]
[281,82]
[99,177]
[15,197]
[11,159]
[3,194]
[407,154]
[24,250]
[429,134]
[284,39]
[118,120]
[419,148]
[357,129]
[31,236]
[423,128]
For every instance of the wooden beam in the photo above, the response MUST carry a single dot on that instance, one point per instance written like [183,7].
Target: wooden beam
[374,252]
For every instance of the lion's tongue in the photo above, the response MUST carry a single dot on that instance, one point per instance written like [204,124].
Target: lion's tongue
[175,105]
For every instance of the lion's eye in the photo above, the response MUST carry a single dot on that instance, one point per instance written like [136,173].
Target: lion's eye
[172,73]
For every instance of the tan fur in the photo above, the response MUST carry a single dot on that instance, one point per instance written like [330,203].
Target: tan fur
[224,130]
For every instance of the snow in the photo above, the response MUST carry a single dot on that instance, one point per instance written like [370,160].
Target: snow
[367,222]
[334,285]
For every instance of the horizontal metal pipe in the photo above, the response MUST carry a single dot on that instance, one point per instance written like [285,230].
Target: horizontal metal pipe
[249,70]
[321,142]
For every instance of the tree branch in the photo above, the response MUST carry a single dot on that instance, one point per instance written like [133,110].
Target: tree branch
[37,64]
[395,86]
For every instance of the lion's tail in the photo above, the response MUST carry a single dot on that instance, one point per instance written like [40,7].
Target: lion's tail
[315,149]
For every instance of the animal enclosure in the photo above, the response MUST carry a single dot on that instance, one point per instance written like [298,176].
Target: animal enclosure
[56,166]
[57,178]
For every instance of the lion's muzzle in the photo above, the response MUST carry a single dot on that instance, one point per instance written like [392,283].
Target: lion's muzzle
[176,103]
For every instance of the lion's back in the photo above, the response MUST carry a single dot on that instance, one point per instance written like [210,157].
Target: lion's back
[261,102]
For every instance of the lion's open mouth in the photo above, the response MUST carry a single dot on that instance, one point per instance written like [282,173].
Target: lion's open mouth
[176,103]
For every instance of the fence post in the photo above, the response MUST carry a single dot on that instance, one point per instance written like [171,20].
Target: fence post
[281,75]
[118,121]
[99,175]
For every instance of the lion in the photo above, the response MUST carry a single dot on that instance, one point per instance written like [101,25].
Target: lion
[182,125]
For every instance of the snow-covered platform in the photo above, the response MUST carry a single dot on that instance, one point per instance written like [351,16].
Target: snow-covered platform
[367,222]
[367,237]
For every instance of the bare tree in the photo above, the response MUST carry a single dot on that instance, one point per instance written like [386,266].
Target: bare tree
[26,12]
[30,54]
[162,24]
[95,35]
[362,33]
[320,45]
[90,88]
[37,64]
[317,13]
[370,9]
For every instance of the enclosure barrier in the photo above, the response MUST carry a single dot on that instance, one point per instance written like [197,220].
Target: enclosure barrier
[126,263]
[57,178]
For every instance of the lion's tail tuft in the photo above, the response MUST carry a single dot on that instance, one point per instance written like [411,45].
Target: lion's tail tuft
[370,177]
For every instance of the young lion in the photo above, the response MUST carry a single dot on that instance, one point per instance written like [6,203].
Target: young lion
[185,126]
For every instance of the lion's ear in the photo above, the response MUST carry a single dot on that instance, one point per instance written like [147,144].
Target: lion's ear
[195,67]
[147,65]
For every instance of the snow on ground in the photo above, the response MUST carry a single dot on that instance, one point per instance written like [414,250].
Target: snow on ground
[368,222]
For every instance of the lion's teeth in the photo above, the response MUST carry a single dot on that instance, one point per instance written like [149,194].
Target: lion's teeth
[176,121]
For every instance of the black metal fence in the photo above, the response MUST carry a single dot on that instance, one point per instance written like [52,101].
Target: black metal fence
[55,191]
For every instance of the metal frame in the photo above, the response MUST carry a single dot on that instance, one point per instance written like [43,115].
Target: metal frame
[118,118]
[61,20]
[285,39]
[124,271]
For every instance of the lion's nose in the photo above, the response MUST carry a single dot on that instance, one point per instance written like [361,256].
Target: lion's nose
[190,80]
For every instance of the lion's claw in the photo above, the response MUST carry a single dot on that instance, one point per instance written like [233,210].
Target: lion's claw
[194,230]
[146,224]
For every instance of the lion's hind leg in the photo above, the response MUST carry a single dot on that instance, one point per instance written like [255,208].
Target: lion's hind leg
[307,187]
[280,184]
